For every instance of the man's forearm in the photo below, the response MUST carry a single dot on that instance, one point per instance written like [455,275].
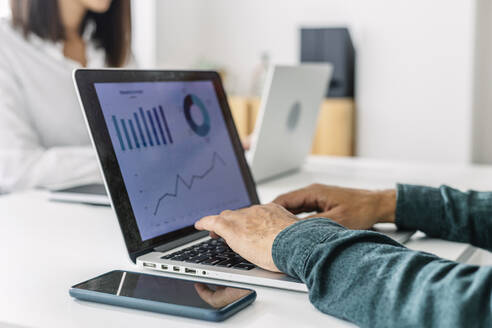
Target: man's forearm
[446,213]
[369,279]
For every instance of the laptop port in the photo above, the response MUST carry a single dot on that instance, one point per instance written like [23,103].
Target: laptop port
[190,271]
[164,267]
[176,268]
[149,265]
[204,272]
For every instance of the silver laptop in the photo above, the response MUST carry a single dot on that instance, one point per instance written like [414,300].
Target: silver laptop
[287,119]
[91,194]
[170,155]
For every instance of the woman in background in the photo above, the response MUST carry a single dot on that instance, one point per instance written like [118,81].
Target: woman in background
[43,139]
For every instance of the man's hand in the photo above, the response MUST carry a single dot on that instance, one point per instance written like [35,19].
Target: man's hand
[352,208]
[250,232]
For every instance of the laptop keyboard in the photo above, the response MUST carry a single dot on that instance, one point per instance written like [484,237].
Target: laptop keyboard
[211,252]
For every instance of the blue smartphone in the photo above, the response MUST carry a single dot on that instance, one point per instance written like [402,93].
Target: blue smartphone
[164,295]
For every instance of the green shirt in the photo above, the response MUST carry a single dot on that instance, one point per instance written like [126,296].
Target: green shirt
[369,279]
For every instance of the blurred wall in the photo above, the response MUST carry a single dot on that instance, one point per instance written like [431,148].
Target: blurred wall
[415,61]
[4,8]
[144,33]
[424,75]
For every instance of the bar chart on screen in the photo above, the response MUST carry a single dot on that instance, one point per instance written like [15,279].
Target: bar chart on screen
[145,128]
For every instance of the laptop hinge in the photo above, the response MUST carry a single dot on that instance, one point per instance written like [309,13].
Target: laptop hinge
[181,241]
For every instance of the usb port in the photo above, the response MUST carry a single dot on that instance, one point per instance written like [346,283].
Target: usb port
[176,268]
[164,267]
[149,265]
[190,271]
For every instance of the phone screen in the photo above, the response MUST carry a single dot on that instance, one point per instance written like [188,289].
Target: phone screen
[165,290]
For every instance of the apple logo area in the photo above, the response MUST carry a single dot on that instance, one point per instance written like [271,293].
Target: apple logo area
[294,115]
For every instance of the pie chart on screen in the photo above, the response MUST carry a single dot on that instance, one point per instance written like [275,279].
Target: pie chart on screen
[192,102]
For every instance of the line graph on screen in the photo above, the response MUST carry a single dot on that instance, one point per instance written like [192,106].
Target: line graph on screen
[180,180]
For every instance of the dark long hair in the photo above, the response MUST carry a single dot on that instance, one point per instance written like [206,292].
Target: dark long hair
[112,32]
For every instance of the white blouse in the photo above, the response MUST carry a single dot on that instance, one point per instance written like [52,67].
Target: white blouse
[43,138]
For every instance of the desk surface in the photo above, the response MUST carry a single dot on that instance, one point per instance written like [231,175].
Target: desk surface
[51,246]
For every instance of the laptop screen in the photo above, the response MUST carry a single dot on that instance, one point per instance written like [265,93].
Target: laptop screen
[174,152]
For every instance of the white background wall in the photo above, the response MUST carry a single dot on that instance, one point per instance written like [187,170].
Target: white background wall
[144,42]
[415,61]
[4,8]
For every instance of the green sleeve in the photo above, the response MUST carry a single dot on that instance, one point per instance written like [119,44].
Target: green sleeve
[368,279]
[446,213]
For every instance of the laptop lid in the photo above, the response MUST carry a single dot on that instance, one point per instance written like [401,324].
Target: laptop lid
[287,118]
[168,149]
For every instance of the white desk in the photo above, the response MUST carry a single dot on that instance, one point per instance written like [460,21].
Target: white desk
[51,246]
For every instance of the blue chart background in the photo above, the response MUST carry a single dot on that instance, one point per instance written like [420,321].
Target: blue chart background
[150,173]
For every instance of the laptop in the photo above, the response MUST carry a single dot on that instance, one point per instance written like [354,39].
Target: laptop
[170,154]
[287,119]
[91,194]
